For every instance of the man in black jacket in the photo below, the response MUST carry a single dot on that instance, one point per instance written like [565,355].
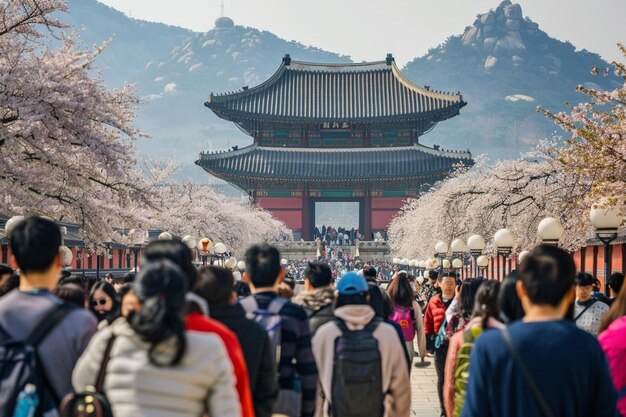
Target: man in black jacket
[318,295]
[215,285]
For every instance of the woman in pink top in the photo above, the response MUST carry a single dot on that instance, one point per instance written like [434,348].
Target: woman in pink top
[613,341]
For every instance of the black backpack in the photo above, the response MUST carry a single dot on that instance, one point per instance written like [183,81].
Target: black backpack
[357,384]
[20,365]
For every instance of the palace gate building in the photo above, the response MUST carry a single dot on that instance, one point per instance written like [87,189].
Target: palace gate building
[334,132]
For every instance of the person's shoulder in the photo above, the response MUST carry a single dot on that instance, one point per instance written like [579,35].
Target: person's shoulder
[601,305]
[204,345]
[198,322]
[81,317]
[294,311]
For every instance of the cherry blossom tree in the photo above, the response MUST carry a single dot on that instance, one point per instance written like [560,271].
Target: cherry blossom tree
[596,150]
[482,199]
[560,178]
[196,209]
[65,140]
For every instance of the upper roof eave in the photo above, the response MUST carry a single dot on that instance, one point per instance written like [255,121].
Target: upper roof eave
[325,67]
[235,115]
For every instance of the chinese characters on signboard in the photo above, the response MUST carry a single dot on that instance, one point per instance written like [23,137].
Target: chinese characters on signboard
[335,125]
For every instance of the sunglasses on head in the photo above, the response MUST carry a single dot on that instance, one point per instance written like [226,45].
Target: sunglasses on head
[101,301]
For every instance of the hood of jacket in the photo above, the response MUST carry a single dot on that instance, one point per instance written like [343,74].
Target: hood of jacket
[355,316]
[316,299]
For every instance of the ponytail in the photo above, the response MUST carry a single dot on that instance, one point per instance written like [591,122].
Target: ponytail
[161,287]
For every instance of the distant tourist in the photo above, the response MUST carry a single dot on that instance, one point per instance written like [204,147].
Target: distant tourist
[318,297]
[588,310]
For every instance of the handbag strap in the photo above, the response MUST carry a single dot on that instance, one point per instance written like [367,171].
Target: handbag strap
[527,376]
[103,365]
[583,312]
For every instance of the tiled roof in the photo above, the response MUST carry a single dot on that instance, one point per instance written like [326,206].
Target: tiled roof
[330,163]
[346,92]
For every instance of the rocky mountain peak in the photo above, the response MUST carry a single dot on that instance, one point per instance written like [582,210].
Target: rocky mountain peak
[500,32]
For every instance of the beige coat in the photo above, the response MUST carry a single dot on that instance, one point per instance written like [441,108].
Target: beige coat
[202,382]
[394,370]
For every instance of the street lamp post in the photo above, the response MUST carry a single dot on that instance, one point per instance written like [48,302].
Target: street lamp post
[550,231]
[476,245]
[522,255]
[504,240]
[205,245]
[459,250]
[482,262]
[606,221]
[190,242]
[137,238]
[219,250]
[441,250]
[457,264]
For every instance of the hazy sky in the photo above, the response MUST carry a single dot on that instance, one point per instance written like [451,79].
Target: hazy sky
[368,29]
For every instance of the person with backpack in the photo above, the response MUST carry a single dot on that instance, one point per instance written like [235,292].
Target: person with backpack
[288,328]
[318,296]
[215,286]
[484,316]
[407,313]
[360,359]
[434,328]
[588,310]
[148,365]
[41,338]
[543,365]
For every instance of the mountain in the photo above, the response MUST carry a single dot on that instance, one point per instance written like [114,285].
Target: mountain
[133,42]
[505,66]
[176,69]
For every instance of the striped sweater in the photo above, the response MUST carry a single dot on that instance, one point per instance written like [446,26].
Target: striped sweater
[296,354]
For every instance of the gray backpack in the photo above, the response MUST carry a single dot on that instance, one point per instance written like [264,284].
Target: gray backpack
[289,401]
[269,319]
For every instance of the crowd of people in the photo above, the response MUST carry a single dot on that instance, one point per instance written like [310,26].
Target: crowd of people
[340,263]
[179,341]
[343,236]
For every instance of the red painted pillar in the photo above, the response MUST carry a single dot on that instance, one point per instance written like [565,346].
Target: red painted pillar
[367,221]
[307,224]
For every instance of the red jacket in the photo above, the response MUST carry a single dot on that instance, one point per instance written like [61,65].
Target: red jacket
[435,315]
[201,323]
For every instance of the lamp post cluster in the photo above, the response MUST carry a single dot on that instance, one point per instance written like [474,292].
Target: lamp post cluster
[606,222]
[205,250]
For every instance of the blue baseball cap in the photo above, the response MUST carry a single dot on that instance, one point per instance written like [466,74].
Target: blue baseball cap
[352,284]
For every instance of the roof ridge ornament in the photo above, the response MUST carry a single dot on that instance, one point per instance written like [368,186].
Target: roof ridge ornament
[389,59]
[287,59]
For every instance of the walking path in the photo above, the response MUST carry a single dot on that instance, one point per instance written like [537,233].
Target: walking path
[425,402]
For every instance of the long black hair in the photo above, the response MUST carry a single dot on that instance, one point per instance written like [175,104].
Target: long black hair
[160,287]
[469,288]
[177,252]
[486,304]
[509,303]
[400,291]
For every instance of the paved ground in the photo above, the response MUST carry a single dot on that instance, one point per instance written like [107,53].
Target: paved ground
[425,402]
